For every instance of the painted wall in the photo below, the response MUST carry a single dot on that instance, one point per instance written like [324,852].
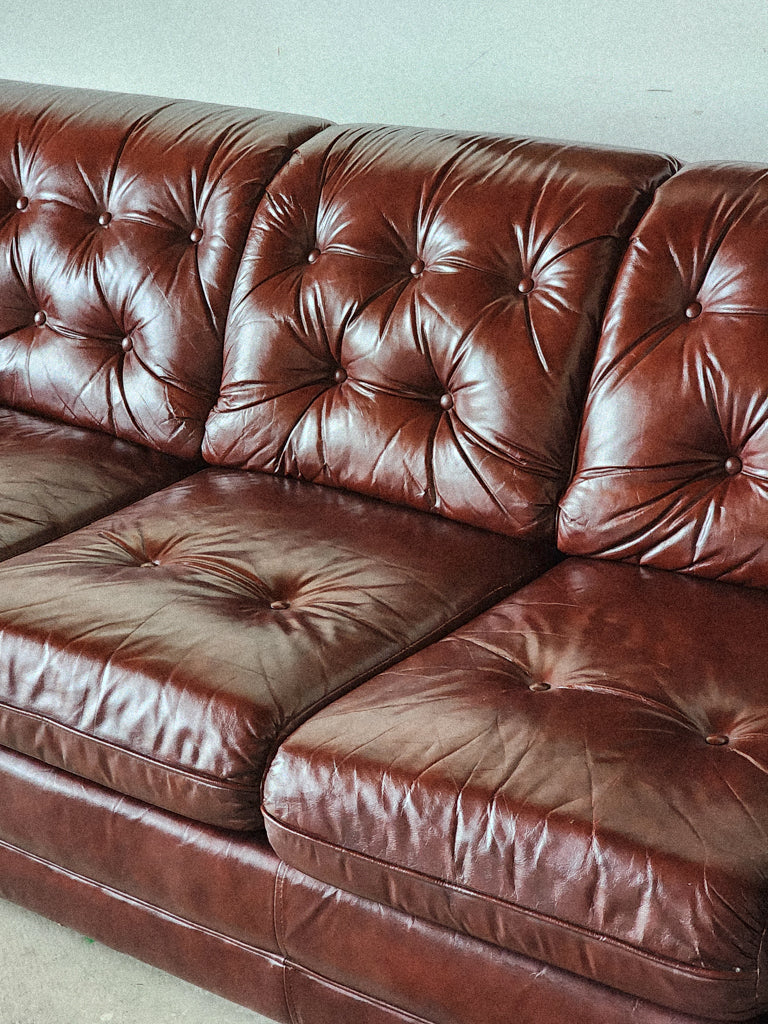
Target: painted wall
[686,76]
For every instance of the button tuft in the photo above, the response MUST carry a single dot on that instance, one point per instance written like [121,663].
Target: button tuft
[105,218]
[446,402]
[539,687]
[717,740]
[280,606]
[149,565]
[732,465]
[693,310]
[417,267]
[40,318]
[195,235]
[313,256]
[525,286]
[22,203]
[340,376]
[126,344]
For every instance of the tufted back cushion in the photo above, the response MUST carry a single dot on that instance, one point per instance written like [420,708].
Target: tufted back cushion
[122,219]
[416,313]
[673,459]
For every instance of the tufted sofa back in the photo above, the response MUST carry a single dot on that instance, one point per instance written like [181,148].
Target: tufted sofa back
[122,220]
[416,313]
[673,458]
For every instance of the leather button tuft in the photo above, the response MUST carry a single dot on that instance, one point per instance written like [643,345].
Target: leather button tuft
[126,344]
[525,286]
[40,318]
[539,687]
[732,465]
[149,565]
[417,267]
[693,310]
[717,740]
[195,235]
[340,376]
[313,256]
[280,606]
[446,402]
[105,218]
[22,203]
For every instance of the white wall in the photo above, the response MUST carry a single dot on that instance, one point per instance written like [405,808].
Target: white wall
[685,76]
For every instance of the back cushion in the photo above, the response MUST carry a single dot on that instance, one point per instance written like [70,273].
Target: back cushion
[122,219]
[416,313]
[673,459]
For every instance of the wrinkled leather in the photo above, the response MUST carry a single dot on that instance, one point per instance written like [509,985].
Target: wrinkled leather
[438,974]
[55,478]
[414,320]
[122,220]
[415,316]
[165,650]
[673,458]
[235,918]
[579,775]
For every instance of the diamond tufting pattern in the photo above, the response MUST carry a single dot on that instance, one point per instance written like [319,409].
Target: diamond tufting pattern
[122,219]
[673,458]
[414,314]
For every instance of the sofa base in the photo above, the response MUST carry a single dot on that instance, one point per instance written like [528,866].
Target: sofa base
[222,911]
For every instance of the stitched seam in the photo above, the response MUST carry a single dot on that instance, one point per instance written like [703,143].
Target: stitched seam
[459,618]
[203,778]
[279,907]
[137,901]
[280,931]
[695,972]
[290,1002]
[371,1000]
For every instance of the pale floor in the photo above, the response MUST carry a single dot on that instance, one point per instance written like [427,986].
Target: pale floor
[51,975]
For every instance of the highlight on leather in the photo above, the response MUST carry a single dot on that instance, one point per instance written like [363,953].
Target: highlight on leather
[415,314]
[577,775]
[673,458]
[164,651]
[122,220]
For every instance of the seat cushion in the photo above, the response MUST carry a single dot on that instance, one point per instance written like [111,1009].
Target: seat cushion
[164,651]
[673,457]
[55,478]
[415,317]
[578,775]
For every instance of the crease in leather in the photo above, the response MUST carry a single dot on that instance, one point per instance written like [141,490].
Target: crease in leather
[699,973]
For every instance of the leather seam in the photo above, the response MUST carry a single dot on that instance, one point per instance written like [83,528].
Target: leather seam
[439,632]
[703,973]
[200,777]
[412,1018]
[288,965]
[275,958]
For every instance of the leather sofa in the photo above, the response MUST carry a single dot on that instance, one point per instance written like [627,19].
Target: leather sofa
[383,613]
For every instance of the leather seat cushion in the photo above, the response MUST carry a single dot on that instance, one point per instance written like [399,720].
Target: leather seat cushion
[578,775]
[55,478]
[164,651]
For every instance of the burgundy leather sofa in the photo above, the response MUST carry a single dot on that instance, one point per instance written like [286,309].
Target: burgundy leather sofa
[383,613]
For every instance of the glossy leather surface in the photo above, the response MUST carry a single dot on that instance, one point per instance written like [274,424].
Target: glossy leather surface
[55,478]
[219,908]
[415,316]
[122,220]
[165,650]
[577,775]
[673,457]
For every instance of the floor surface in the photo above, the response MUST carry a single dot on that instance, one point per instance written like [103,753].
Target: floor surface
[51,975]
